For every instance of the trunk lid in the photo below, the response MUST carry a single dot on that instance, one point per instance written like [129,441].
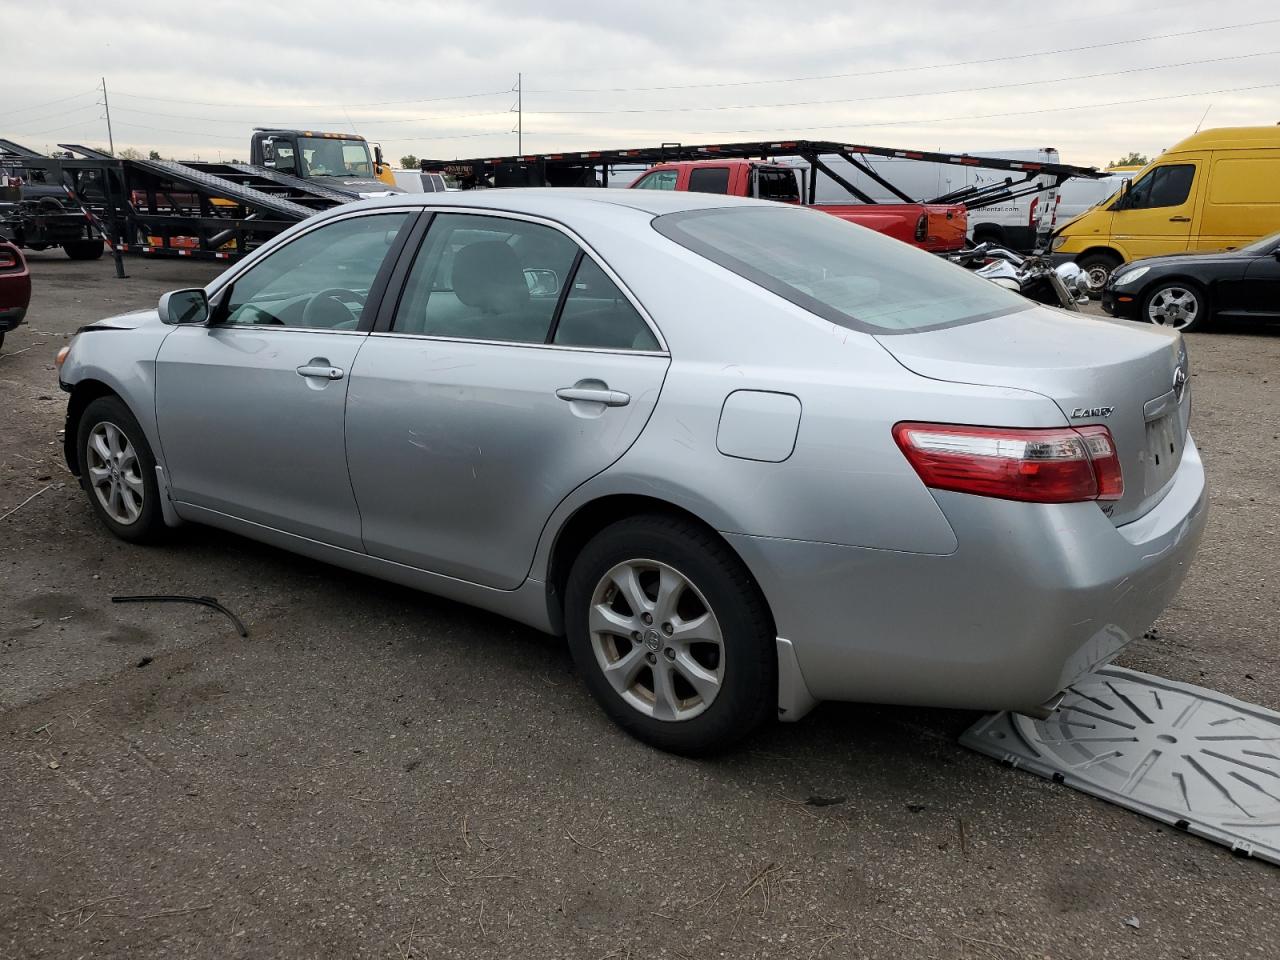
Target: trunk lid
[1131,379]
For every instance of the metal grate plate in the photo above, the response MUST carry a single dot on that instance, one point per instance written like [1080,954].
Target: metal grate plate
[1183,755]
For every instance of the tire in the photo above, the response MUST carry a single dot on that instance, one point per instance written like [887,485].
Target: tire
[1097,268]
[84,249]
[1177,305]
[2,333]
[128,485]
[743,663]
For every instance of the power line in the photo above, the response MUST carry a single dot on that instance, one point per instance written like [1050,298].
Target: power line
[989,116]
[49,103]
[904,96]
[53,116]
[305,106]
[313,123]
[927,66]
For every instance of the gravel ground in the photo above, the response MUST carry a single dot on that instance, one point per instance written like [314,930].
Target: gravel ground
[376,772]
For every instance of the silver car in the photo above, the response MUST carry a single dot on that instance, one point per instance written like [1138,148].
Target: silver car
[745,456]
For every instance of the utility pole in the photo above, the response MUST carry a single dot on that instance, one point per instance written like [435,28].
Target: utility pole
[111,140]
[518,110]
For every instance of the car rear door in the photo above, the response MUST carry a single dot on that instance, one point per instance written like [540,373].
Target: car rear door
[251,407]
[512,369]
[1261,289]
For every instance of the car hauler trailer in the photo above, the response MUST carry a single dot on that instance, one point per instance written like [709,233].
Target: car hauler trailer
[937,224]
[204,209]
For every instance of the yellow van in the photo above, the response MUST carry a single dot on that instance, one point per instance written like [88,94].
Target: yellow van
[1216,190]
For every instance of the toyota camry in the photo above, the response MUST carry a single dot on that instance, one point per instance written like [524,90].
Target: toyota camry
[745,457]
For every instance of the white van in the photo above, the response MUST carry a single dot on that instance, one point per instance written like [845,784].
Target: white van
[1013,223]
[1078,194]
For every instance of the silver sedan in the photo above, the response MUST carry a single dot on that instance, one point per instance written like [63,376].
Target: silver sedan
[745,456]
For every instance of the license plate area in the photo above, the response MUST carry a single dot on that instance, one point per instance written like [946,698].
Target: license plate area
[1163,450]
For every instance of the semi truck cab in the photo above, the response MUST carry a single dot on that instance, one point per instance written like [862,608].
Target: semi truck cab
[343,159]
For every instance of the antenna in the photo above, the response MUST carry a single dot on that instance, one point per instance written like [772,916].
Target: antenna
[111,140]
[1201,123]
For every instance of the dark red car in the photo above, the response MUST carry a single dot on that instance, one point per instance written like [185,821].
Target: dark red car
[15,287]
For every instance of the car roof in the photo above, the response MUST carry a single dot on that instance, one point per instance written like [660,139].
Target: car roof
[553,201]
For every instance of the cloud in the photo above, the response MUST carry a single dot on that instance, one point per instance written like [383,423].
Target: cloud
[434,78]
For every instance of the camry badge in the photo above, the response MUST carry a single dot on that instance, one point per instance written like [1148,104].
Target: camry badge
[1088,413]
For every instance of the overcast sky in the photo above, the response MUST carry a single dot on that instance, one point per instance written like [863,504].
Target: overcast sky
[436,79]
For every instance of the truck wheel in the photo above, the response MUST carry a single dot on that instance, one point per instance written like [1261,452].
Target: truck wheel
[1097,269]
[84,249]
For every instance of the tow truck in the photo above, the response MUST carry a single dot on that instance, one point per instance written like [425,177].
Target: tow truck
[339,160]
[751,169]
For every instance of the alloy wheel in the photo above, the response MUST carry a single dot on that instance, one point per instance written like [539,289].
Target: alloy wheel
[657,640]
[115,473]
[1176,307]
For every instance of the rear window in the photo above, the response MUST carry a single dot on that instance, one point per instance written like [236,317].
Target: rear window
[842,272]
[709,180]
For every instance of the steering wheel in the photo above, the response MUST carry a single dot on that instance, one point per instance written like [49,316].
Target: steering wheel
[326,308]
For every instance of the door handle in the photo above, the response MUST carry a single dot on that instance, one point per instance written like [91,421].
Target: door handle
[610,398]
[320,370]
[1179,219]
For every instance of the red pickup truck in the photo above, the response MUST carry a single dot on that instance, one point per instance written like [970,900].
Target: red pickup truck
[936,227]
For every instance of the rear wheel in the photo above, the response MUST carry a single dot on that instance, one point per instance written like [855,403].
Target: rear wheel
[1097,269]
[118,471]
[84,249]
[1176,304]
[671,635]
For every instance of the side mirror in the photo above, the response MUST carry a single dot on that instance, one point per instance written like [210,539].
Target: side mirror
[377,155]
[184,307]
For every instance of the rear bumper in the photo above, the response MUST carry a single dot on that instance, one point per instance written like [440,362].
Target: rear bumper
[10,317]
[1034,596]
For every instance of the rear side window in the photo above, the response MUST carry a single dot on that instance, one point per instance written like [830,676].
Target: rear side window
[1167,186]
[597,314]
[778,185]
[486,278]
[658,180]
[841,272]
[709,180]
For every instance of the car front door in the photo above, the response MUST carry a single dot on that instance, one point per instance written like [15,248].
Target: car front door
[1261,293]
[250,408]
[1154,216]
[513,369]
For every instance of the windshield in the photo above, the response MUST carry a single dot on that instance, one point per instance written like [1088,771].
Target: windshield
[841,272]
[1265,245]
[331,157]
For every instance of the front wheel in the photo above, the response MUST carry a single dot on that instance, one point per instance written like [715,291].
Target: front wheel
[1097,269]
[84,249]
[118,471]
[1177,305]
[671,635]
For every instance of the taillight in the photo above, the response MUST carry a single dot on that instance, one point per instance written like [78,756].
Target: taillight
[922,228]
[7,260]
[1035,205]
[1057,465]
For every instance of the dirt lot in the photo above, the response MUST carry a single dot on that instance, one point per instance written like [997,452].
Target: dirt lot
[375,772]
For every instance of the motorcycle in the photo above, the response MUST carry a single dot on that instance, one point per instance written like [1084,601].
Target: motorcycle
[1064,286]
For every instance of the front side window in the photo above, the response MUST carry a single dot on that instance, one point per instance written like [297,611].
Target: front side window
[1166,186]
[846,274]
[319,280]
[709,180]
[486,278]
[658,180]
